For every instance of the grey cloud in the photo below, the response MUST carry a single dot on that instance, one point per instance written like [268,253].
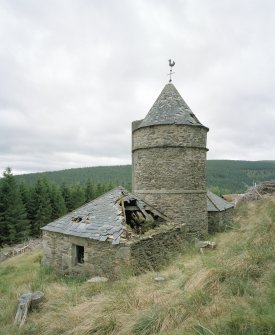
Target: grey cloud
[76,73]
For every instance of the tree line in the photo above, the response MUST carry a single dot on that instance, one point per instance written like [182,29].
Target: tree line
[223,176]
[25,208]
[118,174]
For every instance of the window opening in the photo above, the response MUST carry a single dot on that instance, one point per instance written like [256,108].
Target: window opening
[80,254]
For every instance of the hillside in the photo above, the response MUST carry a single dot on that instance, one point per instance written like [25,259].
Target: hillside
[223,176]
[116,174]
[236,176]
[229,290]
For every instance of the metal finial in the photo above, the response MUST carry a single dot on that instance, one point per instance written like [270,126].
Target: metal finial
[171,64]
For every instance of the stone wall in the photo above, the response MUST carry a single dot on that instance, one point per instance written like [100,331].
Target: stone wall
[99,257]
[217,221]
[163,135]
[169,172]
[105,259]
[150,253]
[172,168]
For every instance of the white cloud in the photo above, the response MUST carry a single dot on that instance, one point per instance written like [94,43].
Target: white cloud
[75,74]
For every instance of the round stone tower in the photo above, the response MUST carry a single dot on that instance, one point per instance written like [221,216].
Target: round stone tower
[169,161]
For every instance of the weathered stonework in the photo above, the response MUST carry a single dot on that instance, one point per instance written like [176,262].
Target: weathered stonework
[169,172]
[150,253]
[217,221]
[99,257]
[103,258]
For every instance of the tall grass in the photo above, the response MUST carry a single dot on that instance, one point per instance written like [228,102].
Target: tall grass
[230,290]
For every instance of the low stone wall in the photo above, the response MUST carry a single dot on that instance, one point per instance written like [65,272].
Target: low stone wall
[217,221]
[151,253]
[105,259]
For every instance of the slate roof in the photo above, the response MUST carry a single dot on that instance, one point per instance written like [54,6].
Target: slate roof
[103,218]
[216,203]
[170,108]
[100,219]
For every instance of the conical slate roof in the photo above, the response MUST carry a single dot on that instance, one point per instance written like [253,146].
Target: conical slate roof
[169,108]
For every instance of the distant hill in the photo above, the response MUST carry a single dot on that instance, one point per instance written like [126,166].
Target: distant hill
[223,176]
[118,174]
[236,176]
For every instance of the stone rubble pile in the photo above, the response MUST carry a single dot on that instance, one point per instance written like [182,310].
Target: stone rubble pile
[260,190]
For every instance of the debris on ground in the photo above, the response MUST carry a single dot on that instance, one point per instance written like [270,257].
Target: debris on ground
[26,302]
[204,244]
[258,191]
[159,279]
[97,280]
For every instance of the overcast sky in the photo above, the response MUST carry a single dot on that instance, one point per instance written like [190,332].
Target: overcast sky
[74,74]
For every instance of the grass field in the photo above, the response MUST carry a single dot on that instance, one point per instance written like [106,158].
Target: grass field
[227,291]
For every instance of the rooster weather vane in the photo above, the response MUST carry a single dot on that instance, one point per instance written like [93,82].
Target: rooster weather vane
[171,64]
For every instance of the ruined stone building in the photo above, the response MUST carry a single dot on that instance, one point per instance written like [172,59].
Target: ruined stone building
[169,204]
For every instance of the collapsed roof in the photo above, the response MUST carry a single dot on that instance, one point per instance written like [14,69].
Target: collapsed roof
[116,214]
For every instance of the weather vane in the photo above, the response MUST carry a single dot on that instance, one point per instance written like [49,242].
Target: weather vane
[171,64]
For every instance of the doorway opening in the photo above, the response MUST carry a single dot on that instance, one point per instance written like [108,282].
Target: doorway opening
[79,254]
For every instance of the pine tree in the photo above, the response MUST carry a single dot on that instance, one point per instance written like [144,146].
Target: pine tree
[41,206]
[99,190]
[25,193]
[89,190]
[109,186]
[31,207]
[57,202]
[14,225]
[66,194]
[77,196]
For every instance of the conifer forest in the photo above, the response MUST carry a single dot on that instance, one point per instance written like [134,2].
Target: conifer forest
[26,207]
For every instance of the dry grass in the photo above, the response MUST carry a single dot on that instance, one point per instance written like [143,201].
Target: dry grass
[229,290]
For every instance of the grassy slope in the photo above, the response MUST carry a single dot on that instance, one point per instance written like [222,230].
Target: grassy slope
[230,290]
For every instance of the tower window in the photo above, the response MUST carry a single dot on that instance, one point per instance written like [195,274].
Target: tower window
[79,254]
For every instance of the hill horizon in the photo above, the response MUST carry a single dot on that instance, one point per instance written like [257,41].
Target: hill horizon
[223,176]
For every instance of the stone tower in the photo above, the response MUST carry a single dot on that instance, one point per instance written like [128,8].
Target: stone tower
[169,161]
